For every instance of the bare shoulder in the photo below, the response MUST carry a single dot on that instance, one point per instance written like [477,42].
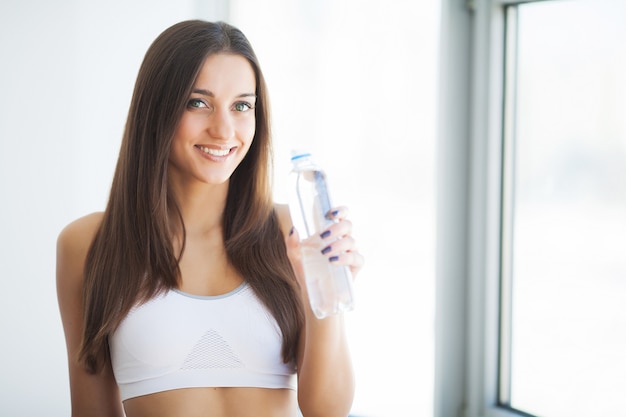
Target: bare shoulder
[97,394]
[83,227]
[73,244]
[284,218]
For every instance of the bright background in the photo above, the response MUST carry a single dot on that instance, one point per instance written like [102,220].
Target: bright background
[569,265]
[352,81]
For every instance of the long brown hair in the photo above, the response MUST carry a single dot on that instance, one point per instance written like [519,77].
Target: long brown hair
[132,257]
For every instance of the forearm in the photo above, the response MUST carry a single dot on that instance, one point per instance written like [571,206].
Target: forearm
[325,375]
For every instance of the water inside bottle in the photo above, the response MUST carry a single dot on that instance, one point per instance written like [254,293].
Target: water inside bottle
[328,285]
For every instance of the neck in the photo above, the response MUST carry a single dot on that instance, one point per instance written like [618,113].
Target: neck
[201,206]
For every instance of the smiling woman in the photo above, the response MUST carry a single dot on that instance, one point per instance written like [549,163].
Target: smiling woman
[186,296]
[353,82]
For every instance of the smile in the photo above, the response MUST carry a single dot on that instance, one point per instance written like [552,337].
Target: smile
[214,152]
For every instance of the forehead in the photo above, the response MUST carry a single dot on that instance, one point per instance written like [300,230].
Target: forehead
[225,73]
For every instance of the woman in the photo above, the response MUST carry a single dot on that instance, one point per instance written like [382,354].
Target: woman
[186,296]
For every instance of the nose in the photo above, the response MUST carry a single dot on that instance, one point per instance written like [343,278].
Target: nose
[221,125]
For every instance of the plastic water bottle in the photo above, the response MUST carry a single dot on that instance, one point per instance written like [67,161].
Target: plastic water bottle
[329,286]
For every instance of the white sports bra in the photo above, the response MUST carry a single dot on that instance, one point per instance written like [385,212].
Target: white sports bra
[179,340]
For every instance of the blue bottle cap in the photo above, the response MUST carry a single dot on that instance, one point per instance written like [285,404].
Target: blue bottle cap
[296,154]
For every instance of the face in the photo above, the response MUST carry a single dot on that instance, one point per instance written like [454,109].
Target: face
[218,124]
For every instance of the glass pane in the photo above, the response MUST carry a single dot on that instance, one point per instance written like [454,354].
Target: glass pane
[569,227]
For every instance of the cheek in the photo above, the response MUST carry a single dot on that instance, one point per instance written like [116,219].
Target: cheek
[178,142]
[247,129]
[176,155]
[186,127]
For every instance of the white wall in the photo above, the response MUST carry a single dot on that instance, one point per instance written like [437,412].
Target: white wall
[356,82]
[66,76]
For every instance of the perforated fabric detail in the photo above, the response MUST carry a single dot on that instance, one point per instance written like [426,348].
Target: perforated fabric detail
[211,351]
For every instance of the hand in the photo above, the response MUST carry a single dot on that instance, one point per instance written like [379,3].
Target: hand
[339,245]
[336,243]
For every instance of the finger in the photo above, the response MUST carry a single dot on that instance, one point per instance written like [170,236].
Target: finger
[292,244]
[357,263]
[337,213]
[292,240]
[337,230]
[346,244]
[353,260]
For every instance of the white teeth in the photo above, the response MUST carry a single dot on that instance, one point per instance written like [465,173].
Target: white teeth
[214,152]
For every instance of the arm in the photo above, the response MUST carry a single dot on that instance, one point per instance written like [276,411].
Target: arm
[91,395]
[325,376]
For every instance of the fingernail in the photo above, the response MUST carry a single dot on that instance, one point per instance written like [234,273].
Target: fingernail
[293,229]
[333,258]
[335,213]
[326,250]
[325,234]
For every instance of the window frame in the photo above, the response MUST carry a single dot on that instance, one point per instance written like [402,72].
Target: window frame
[475,129]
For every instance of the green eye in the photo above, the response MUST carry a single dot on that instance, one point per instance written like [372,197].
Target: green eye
[242,106]
[196,103]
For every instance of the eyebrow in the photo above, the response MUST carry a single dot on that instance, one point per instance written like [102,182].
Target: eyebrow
[210,93]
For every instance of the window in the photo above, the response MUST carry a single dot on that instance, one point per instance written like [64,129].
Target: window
[564,228]
[531,271]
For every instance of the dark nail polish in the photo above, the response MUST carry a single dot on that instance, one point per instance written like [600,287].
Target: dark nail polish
[326,250]
[335,213]
[325,234]
[333,258]
[291,231]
